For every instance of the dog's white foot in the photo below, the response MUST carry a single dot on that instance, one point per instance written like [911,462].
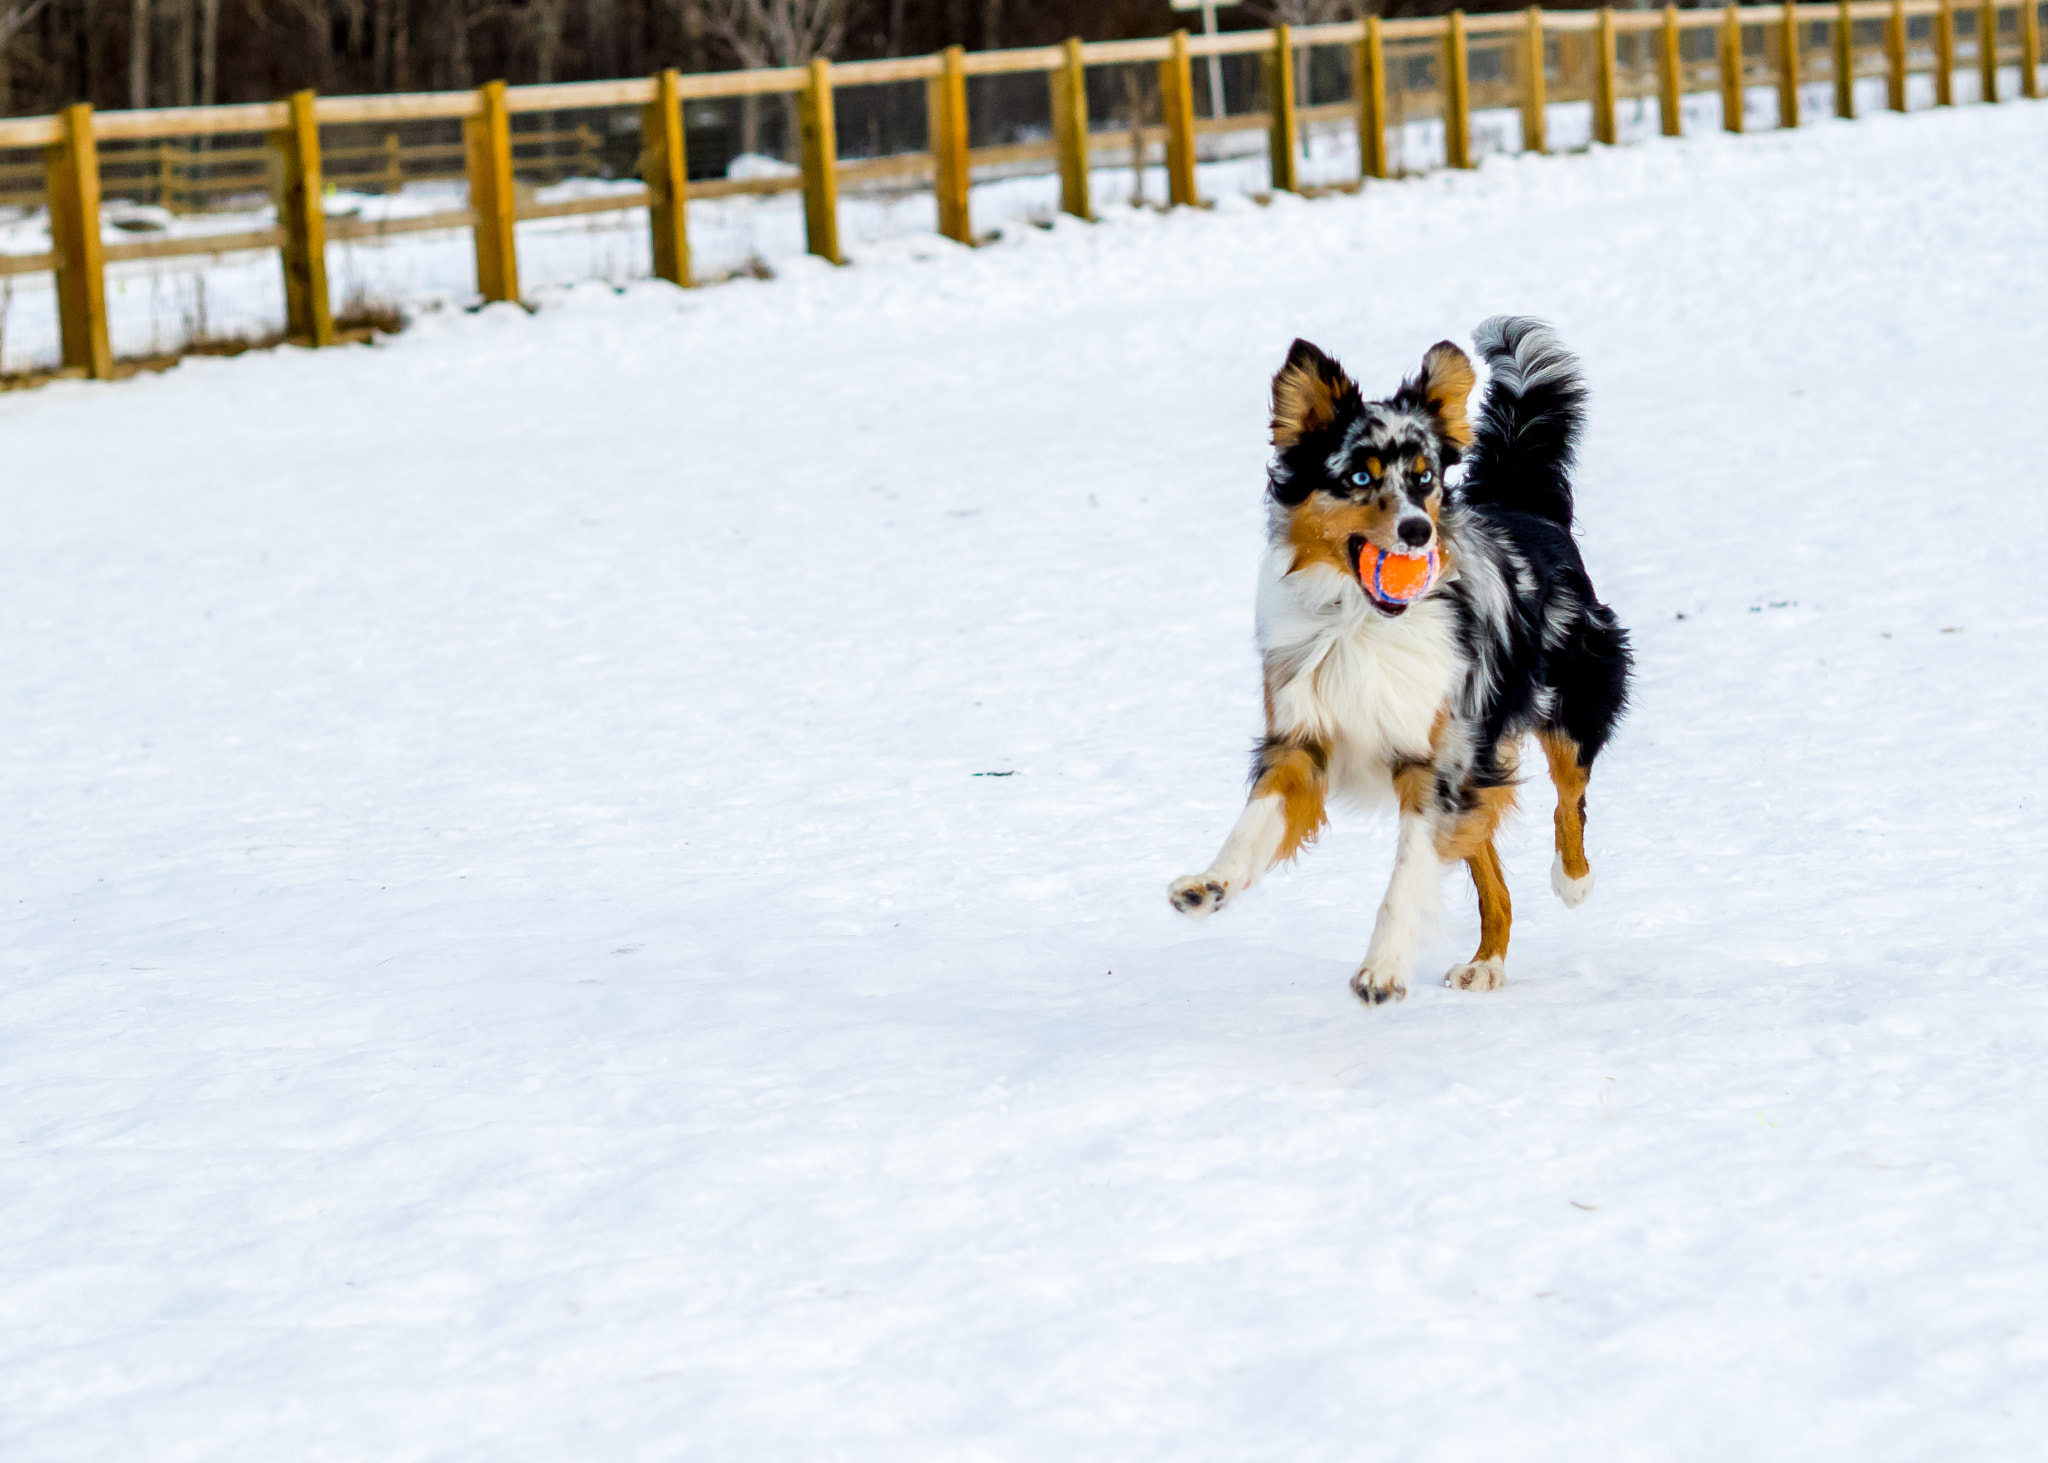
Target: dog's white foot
[1478,975]
[1574,892]
[1198,895]
[1377,987]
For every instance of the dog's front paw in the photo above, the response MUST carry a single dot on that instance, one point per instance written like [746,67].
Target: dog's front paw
[1377,987]
[1574,892]
[1478,975]
[1198,895]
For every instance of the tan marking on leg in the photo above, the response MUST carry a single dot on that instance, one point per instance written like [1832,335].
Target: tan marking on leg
[1487,970]
[1496,910]
[1415,785]
[1507,756]
[1571,779]
[1297,776]
[1415,782]
[1464,838]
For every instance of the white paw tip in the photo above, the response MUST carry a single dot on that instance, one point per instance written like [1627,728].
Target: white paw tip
[1197,896]
[1573,892]
[1478,975]
[1377,990]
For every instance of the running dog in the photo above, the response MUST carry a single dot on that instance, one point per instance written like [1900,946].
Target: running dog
[1425,699]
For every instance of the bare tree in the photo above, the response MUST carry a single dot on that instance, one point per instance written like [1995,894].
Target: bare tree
[14,18]
[601,49]
[184,51]
[691,14]
[544,20]
[209,52]
[144,53]
[773,33]
[777,32]
[138,54]
[1308,12]
[455,23]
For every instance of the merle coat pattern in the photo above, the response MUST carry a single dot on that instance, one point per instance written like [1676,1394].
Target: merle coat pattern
[1426,701]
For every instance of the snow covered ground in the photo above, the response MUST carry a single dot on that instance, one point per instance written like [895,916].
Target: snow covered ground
[163,305]
[512,956]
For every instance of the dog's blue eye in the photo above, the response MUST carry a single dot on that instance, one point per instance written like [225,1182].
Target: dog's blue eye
[1363,479]
[1424,478]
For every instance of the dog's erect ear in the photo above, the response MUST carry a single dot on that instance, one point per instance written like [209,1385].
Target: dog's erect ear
[1307,394]
[1443,385]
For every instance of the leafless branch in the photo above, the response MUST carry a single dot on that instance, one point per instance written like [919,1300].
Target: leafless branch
[777,32]
[17,17]
[1308,12]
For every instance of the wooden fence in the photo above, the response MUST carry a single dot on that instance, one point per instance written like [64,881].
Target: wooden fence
[184,175]
[1530,58]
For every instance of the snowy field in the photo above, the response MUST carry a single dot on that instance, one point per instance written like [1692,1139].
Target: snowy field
[164,305]
[513,958]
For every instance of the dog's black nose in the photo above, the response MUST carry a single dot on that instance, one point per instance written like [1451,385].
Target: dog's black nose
[1415,532]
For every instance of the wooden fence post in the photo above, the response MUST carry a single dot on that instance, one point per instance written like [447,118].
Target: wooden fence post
[1281,138]
[491,194]
[1987,50]
[1604,129]
[1845,62]
[303,216]
[1535,128]
[946,109]
[1895,56]
[1457,95]
[1669,78]
[1732,90]
[1070,129]
[72,177]
[2030,50]
[1945,55]
[1788,66]
[821,164]
[1177,100]
[1369,73]
[665,166]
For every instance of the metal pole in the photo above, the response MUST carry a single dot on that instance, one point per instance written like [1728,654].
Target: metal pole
[1216,107]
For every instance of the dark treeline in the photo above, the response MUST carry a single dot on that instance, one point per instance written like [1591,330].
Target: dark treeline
[123,53]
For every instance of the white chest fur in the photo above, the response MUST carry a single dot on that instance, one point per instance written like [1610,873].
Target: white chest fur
[1340,671]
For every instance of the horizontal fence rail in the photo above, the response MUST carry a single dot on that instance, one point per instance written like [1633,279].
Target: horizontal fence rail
[1392,72]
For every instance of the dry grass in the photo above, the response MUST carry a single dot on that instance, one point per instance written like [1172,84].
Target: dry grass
[359,324]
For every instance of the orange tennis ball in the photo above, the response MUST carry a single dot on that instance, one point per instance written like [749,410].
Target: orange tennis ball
[1397,578]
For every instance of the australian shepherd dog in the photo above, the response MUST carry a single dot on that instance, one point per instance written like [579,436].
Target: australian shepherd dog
[1424,699]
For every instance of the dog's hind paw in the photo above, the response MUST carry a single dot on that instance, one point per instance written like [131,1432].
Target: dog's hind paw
[1376,988]
[1478,975]
[1198,896]
[1574,892]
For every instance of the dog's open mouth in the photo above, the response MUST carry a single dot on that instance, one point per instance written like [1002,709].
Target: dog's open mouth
[1356,548]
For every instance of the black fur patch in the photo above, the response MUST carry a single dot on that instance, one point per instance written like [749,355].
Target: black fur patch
[1547,655]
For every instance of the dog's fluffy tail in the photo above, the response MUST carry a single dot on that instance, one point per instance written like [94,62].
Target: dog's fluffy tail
[1521,458]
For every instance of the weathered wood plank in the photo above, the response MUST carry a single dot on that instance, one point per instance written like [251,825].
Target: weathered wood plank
[73,185]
